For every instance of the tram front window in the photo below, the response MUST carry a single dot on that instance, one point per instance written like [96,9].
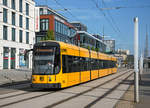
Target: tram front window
[45,62]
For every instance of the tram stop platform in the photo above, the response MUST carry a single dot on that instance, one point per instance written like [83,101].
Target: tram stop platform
[127,100]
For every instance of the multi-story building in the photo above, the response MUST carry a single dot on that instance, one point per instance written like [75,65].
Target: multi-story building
[53,21]
[98,36]
[79,26]
[74,32]
[17,32]
[85,39]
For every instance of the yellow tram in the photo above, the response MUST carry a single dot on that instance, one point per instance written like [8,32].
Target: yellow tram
[59,65]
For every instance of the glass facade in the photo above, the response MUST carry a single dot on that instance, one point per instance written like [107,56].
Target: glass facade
[27,23]
[61,28]
[13,18]
[20,36]
[5,32]
[5,2]
[63,32]
[27,9]
[20,20]
[13,4]
[20,5]
[13,34]
[4,15]
[27,37]
[44,24]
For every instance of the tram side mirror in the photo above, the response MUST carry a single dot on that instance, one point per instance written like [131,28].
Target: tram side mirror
[26,54]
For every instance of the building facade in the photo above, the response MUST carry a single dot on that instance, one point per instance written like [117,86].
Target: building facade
[17,33]
[51,20]
[85,39]
[79,26]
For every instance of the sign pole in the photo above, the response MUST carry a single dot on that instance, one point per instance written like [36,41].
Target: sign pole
[136,75]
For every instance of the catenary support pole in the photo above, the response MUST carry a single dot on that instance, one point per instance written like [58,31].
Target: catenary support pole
[136,75]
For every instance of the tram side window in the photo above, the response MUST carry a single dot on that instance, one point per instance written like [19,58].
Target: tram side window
[64,62]
[114,64]
[97,64]
[93,64]
[82,64]
[70,63]
[108,64]
[57,63]
[75,64]
[101,64]
[105,64]
[88,66]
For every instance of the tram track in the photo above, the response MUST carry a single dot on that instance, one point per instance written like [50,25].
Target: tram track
[28,90]
[79,94]
[33,97]
[107,93]
[25,85]
[59,102]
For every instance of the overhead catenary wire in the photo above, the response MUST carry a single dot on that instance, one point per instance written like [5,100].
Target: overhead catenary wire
[66,9]
[108,20]
[114,22]
[120,7]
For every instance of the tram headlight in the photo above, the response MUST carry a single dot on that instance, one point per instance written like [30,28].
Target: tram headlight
[50,79]
[33,78]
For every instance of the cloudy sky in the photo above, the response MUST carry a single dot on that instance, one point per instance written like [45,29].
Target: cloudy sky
[98,14]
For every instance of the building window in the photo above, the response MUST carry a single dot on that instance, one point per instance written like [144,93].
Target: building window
[58,27]
[41,11]
[27,37]
[13,18]
[5,15]
[20,36]
[27,9]
[13,4]
[44,24]
[5,32]
[20,5]
[20,21]
[13,34]
[5,2]
[27,23]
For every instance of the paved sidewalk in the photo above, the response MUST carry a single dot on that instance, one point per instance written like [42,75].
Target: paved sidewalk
[14,75]
[127,101]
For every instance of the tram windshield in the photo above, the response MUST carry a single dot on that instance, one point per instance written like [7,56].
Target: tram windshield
[46,62]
